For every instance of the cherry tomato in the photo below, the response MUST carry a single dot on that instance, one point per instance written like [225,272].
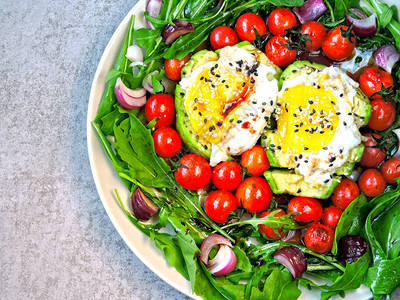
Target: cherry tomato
[382,115]
[336,46]
[167,142]
[223,36]
[372,183]
[373,79]
[268,231]
[319,238]
[254,194]
[345,193]
[316,33]
[372,156]
[195,172]
[255,160]
[246,24]
[219,205]
[278,53]
[391,170]
[281,19]
[163,106]
[310,209]
[227,176]
[331,216]
[173,67]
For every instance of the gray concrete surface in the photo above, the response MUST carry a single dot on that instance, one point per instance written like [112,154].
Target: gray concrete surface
[56,240]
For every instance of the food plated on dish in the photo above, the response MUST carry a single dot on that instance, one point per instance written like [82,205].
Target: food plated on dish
[259,143]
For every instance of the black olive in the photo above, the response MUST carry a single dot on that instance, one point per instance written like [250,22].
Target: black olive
[351,248]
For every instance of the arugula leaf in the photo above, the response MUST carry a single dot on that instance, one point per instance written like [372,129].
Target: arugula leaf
[190,253]
[289,3]
[382,10]
[156,81]
[341,8]
[243,262]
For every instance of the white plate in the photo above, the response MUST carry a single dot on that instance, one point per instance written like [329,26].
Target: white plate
[107,180]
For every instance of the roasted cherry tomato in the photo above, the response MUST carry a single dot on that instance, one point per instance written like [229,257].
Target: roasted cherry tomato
[391,170]
[167,142]
[223,36]
[382,115]
[254,194]
[319,238]
[268,231]
[372,183]
[338,44]
[248,24]
[331,216]
[281,19]
[345,193]
[219,205]
[373,79]
[163,106]
[310,209]
[195,172]
[316,33]
[173,67]
[227,176]
[373,156]
[255,160]
[278,52]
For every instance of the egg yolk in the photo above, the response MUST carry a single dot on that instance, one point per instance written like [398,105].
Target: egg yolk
[212,98]
[307,119]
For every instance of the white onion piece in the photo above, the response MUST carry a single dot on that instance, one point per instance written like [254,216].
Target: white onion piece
[224,262]
[153,7]
[210,243]
[127,98]
[386,56]
[134,53]
[397,132]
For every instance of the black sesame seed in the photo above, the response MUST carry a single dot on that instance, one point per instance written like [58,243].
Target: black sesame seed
[318,87]
[182,94]
[223,80]
[296,130]
[213,86]
[294,115]
[325,148]
[195,100]
[243,84]
[205,147]
[219,124]
[310,102]
[217,75]
[264,103]
[195,108]
[344,123]
[202,77]
[205,121]
[340,151]
[286,109]
[338,113]
[252,81]
[301,156]
[349,113]
[299,191]
[263,137]
[305,148]
[301,124]
[330,165]
[286,89]
[254,102]
[295,158]
[271,102]
[272,145]
[321,132]
[231,120]
[227,86]
[332,159]
[279,147]
[239,121]
[263,110]
[298,165]
[341,95]
[306,161]
[326,181]
[294,71]
[333,102]
[200,114]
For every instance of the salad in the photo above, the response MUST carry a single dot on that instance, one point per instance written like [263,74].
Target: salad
[265,134]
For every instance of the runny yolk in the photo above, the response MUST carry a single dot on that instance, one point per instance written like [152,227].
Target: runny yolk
[307,119]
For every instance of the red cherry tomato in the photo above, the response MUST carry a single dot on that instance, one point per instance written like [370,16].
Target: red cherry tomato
[173,67]
[281,19]
[195,172]
[316,33]
[227,176]
[372,156]
[331,216]
[223,36]
[319,238]
[372,80]
[219,205]
[247,24]
[254,194]
[336,46]
[345,193]
[391,170]
[372,183]
[382,115]
[255,160]
[167,142]
[278,53]
[268,231]
[310,209]
[163,106]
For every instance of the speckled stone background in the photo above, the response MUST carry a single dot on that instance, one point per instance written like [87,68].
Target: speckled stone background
[56,240]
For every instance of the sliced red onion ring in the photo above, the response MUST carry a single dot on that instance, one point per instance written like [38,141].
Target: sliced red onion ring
[310,10]
[224,262]
[171,33]
[147,84]
[293,259]
[153,7]
[210,243]
[127,98]
[293,237]
[386,56]
[397,132]
[143,208]
[365,26]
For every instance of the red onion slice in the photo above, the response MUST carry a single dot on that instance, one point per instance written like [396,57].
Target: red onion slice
[210,243]
[365,26]
[310,10]
[153,7]
[127,98]
[147,84]
[224,262]
[397,132]
[171,33]
[293,259]
[143,208]
[386,56]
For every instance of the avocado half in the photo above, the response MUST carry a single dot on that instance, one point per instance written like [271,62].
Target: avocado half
[189,136]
